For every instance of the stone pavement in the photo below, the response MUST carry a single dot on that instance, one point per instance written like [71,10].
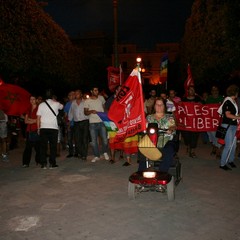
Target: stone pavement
[84,200]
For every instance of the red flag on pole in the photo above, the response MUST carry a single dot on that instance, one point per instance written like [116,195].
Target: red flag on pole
[14,100]
[114,77]
[127,110]
[189,81]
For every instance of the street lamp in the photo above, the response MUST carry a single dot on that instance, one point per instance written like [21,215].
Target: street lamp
[139,60]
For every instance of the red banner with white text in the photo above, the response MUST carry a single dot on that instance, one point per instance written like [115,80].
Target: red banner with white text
[127,110]
[197,117]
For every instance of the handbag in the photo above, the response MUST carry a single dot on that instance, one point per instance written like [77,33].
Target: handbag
[33,136]
[221,132]
[148,149]
[60,120]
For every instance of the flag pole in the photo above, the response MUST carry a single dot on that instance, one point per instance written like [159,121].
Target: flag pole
[115,13]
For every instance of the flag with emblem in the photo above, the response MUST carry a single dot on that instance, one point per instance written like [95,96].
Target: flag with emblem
[127,109]
[14,100]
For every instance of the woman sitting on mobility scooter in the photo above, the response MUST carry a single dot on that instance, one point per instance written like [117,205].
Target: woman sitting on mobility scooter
[165,141]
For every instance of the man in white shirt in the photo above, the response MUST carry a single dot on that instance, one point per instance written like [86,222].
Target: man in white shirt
[91,106]
[48,129]
[81,125]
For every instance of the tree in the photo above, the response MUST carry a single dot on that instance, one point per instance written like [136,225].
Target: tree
[211,41]
[34,47]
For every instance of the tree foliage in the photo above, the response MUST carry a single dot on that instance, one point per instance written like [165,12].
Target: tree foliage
[33,46]
[211,41]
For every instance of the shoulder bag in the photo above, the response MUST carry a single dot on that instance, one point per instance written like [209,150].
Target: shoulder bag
[59,117]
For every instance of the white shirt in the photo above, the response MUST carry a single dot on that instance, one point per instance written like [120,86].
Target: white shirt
[76,112]
[95,104]
[48,119]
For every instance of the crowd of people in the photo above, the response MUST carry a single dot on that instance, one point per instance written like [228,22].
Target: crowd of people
[83,127]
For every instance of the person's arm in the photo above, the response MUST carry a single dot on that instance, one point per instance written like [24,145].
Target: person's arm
[87,112]
[38,122]
[229,115]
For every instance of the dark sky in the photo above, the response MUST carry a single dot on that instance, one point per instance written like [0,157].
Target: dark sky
[144,22]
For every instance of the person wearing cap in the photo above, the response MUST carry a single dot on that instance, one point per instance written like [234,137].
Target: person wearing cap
[165,143]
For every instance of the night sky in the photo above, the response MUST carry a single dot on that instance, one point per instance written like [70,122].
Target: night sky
[144,22]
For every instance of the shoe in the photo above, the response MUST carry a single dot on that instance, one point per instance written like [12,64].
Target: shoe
[225,167]
[192,155]
[5,157]
[232,164]
[25,166]
[112,161]
[43,166]
[126,164]
[95,159]
[53,166]
[69,156]
[106,156]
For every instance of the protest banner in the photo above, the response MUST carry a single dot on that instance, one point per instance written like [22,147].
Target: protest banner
[197,117]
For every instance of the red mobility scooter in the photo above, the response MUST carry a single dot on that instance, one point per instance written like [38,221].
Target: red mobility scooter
[151,178]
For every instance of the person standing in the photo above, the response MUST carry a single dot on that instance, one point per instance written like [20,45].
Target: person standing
[149,103]
[32,137]
[48,129]
[191,138]
[93,105]
[230,117]
[114,146]
[81,125]
[3,135]
[69,124]
[214,97]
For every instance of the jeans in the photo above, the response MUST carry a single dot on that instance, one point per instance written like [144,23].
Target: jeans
[213,139]
[28,151]
[70,137]
[81,129]
[229,149]
[98,129]
[48,136]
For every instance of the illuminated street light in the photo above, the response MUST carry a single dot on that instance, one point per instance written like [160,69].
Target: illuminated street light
[138,59]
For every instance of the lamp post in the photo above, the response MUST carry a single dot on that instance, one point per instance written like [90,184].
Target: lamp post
[115,13]
[139,60]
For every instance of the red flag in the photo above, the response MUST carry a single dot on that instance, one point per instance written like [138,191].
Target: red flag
[189,81]
[114,77]
[127,110]
[14,100]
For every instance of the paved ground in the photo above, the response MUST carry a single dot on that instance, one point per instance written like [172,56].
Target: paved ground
[84,200]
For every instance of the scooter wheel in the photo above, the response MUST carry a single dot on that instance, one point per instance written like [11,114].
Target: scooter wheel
[132,191]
